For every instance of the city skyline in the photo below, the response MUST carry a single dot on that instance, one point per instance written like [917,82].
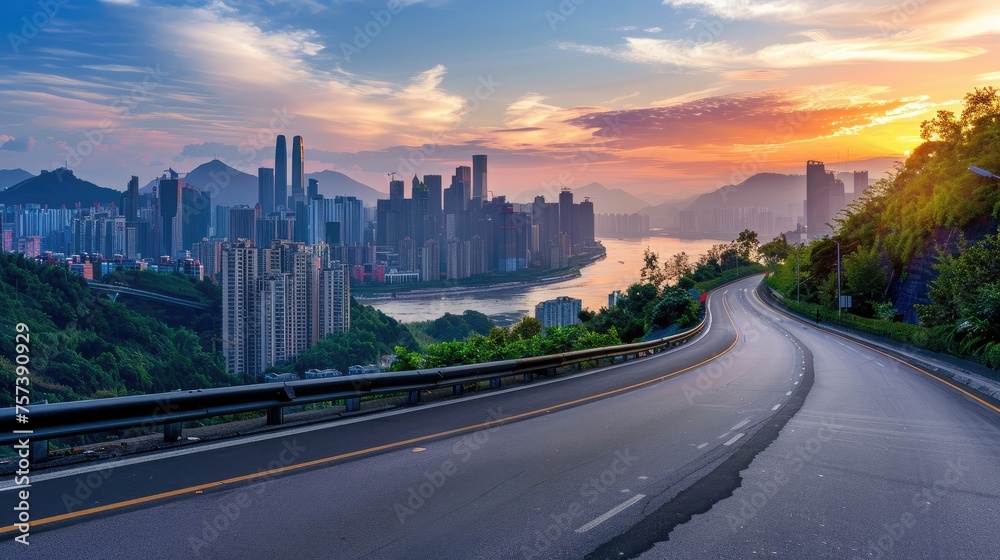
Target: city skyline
[641,98]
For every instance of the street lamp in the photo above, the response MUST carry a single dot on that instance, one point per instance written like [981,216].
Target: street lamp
[798,280]
[983,172]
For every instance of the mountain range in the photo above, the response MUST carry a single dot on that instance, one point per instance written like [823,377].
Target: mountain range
[232,187]
[57,188]
[10,177]
[606,201]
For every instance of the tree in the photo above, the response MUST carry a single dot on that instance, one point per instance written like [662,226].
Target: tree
[528,327]
[746,245]
[675,306]
[775,251]
[651,272]
[864,276]
[677,267]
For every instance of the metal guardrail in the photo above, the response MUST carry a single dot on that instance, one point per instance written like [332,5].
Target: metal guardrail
[48,421]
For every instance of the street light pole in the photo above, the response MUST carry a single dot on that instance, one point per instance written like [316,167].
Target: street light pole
[838,280]
[798,280]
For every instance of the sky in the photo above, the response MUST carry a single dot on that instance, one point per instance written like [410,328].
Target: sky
[667,97]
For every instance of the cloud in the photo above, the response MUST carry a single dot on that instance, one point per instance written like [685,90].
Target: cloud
[22,144]
[653,30]
[755,75]
[816,49]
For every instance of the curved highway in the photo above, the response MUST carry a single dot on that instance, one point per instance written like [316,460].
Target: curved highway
[765,437]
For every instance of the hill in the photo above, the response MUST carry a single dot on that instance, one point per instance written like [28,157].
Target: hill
[228,186]
[771,190]
[606,201]
[57,188]
[334,183]
[9,177]
[84,346]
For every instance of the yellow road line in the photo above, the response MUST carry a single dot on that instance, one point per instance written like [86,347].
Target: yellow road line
[890,356]
[384,447]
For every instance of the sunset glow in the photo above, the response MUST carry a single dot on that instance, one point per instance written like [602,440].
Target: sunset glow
[669,97]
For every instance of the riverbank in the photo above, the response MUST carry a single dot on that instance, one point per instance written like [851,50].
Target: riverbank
[481,284]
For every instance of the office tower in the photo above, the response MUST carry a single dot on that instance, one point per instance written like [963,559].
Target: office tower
[408,255]
[480,190]
[335,300]
[313,191]
[566,212]
[209,252]
[463,174]
[132,204]
[220,218]
[242,224]
[434,191]
[265,190]
[240,309]
[824,195]
[273,227]
[170,216]
[280,173]
[396,190]
[860,183]
[298,170]
[349,212]
[197,205]
[560,312]
[586,224]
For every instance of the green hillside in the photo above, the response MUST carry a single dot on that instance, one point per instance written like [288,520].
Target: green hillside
[83,346]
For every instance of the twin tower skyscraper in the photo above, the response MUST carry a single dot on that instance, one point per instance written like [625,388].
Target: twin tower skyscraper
[281,195]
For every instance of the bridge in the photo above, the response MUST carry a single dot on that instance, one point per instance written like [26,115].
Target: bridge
[761,435]
[113,290]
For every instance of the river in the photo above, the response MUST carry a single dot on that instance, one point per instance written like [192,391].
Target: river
[616,272]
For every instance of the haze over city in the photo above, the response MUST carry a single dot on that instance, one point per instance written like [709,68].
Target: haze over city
[670,97]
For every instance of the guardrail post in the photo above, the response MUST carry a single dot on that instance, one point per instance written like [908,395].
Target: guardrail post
[527,378]
[550,372]
[39,451]
[172,431]
[414,397]
[457,390]
[275,415]
[495,383]
[352,405]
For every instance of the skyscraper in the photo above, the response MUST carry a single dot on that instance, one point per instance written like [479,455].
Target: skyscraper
[242,223]
[313,190]
[280,172]
[298,172]
[824,197]
[132,206]
[171,218]
[479,185]
[463,173]
[265,190]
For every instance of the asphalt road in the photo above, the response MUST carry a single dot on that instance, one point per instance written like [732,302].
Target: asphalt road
[764,437]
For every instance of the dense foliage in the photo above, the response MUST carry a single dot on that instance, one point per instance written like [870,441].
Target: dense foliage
[449,327]
[206,324]
[897,220]
[83,346]
[520,341]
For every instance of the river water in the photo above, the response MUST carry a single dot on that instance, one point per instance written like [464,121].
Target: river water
[616,272]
